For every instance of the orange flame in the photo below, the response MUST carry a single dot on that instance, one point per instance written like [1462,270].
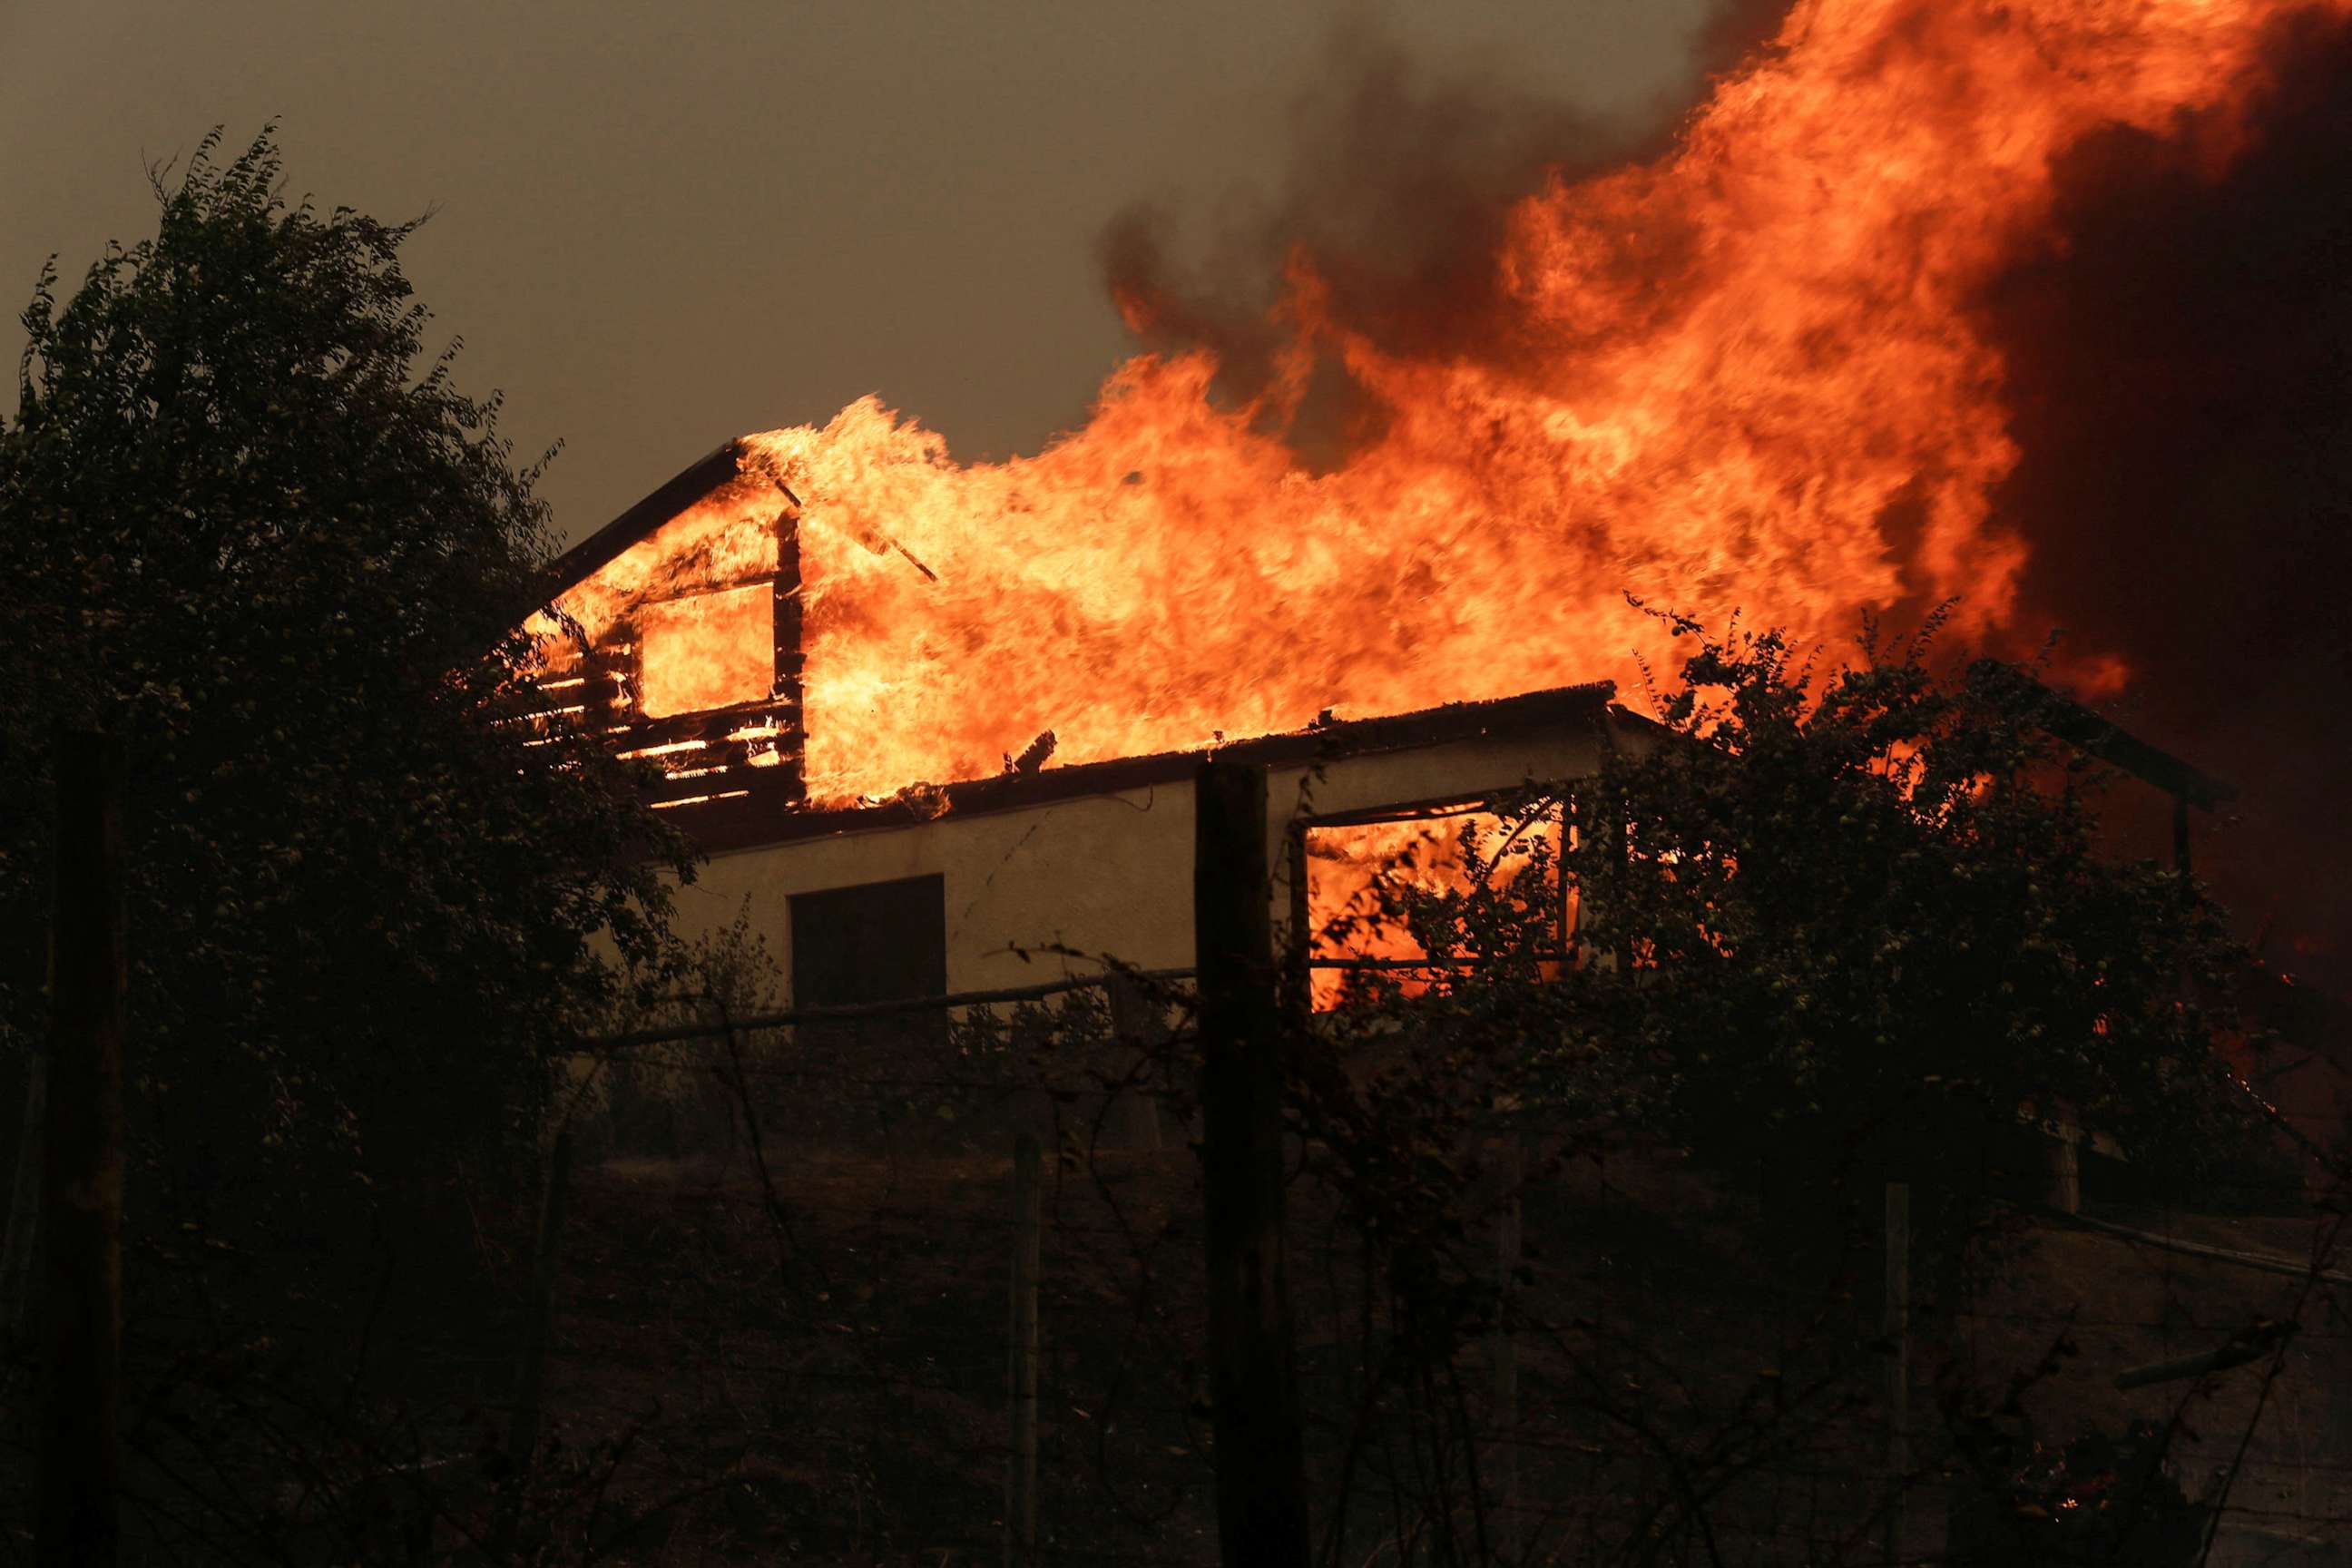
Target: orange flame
[711,650]
[1746,374]
[1360,876]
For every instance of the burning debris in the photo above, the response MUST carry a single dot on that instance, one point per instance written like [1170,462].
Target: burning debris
[1032,756]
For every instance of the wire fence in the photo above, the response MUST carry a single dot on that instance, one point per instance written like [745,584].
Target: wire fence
[789,1281]
[813,1271]
[937,1279]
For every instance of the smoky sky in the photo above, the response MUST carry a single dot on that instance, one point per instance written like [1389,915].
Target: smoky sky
[2180,372]
[656,227]
[1396,178]
[2179,354]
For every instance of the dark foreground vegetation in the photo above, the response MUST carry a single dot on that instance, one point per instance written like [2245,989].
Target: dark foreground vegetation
[1874,1167]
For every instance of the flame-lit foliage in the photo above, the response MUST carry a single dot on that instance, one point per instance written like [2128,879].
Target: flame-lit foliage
[1853,897]
[1835,924]
[1852,918]
[1379,893]
[246,521]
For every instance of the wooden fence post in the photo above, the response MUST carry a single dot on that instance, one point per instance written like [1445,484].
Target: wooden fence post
[1021,1370]
[539,1315]
[24,1196]
[78,1520]
[1509,1224]
[1261,1485]
[2065,1151]
[1896,1324]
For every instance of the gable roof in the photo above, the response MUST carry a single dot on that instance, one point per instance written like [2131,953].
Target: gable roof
[2102,737]
[713,472]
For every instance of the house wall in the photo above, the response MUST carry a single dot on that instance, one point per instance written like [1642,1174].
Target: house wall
[1100,875]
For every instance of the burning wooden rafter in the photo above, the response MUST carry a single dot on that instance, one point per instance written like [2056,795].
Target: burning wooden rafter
[682,721]
[1032,756]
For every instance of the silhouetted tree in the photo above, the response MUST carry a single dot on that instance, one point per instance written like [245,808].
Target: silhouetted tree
[1835,925]
[250,522]
[1866,916]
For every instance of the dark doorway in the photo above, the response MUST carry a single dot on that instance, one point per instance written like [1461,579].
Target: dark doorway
[876,942]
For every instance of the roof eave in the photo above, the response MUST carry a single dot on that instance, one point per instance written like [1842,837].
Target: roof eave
[713,472]
[757,821]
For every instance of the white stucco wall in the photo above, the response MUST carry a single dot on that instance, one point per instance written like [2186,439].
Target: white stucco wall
[1102,874]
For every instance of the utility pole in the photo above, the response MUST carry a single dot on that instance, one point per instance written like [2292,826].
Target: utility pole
[1252,1374]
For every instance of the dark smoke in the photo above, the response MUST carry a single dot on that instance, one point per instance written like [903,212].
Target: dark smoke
[1397,186]
[2180,353]
[2180,348]
[1734,31]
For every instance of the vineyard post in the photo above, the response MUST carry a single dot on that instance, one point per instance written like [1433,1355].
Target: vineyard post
[1021,1370]
[1896,1324]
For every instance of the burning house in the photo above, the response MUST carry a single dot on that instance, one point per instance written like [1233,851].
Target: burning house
[684,637]
[1797,364]
[885,843]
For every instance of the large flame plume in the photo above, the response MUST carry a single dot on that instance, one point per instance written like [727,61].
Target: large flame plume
[1748,374]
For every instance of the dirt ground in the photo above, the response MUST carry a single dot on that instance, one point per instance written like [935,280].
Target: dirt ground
[825,1379]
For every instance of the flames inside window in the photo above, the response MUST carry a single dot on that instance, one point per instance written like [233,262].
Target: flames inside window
[713,650]
[1370,883]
